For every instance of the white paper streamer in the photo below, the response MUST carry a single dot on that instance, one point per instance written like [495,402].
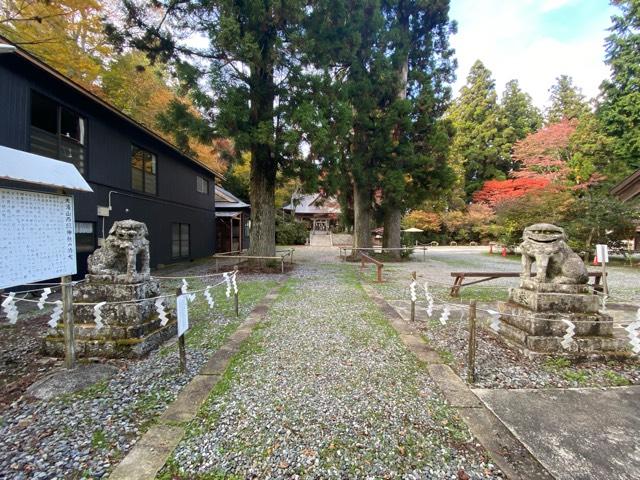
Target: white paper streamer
[567,339]
[445,315]
[412,289]
[43,297]
[633,333]
[97,314]
[209,297]
[185,286]
[162,314]
[10,309]
[495,320]
[234,284]
[56,314]
[604,299]
[227,279]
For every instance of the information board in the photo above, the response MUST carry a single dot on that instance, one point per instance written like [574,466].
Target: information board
[37,237]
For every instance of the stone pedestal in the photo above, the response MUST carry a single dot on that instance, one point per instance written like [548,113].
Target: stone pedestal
[531,317]
[130,329]
[131,324]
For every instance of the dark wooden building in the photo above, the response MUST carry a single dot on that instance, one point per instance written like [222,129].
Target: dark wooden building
[133,172]
[232,222]
[628,191]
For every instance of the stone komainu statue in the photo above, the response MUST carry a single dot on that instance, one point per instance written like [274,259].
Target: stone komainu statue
[546,245]
[126,248]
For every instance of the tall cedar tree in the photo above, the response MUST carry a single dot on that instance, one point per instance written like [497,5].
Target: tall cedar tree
[245,78]
[521,116]
[566,101]
[479,151]
[387,68]
[415,165]
[620,109]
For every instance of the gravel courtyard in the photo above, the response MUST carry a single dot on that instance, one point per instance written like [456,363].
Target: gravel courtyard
[325,389]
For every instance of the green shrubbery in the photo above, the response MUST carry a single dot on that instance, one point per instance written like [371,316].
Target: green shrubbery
[290,232]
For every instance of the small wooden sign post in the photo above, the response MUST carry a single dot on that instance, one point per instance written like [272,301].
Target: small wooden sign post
[182,314]
[67,317]
[471,361]
[602,256]
[413,301]
[235,295]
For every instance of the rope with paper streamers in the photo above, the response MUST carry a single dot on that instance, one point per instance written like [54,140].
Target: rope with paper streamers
[633,329]
[9,304]
[10,308]
[633,333]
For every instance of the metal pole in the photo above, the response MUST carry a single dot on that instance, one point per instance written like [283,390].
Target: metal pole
[605,283]
[471,364]
[182,349]
[67,310]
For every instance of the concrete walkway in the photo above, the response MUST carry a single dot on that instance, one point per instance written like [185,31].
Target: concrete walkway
[576,434]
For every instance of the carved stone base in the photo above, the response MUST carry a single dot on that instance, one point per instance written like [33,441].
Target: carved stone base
[554,302]
[536,333]
[546,287]
[130,329]
[109,347]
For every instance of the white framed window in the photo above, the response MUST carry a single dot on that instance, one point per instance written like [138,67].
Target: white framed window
[202,185]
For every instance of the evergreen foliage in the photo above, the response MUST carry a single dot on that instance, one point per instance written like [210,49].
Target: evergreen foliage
[620,109]
[479,151]
[566,101]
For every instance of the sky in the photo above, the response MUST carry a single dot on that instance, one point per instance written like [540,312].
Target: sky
[533,41]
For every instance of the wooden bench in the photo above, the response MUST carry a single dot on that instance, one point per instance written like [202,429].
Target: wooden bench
[379,265]
[486,276]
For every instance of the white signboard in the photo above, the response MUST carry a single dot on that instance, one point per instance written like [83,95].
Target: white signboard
[37,237]
[602,253]
[182,310]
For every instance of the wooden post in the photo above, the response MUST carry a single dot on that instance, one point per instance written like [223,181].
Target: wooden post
[605,283]
[67,312]
[235,296]
[471,362]
[182,349]
[413,303]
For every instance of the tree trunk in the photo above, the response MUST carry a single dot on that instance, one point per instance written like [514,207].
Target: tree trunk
[263,210]
[362,216]
[392,232]
[262,182]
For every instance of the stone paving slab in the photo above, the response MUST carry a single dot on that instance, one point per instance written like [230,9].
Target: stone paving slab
[588,433]
[149,454]
[190,399]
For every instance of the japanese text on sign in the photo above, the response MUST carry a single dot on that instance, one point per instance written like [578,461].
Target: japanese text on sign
[37,237]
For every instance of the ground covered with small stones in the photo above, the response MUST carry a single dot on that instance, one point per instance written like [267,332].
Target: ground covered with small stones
[497,364]
[83,435]
[324,388]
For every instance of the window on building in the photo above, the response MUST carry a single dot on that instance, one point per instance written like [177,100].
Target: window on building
[143,170]
[85,237]
[202,185]
[57,132]
[179,240]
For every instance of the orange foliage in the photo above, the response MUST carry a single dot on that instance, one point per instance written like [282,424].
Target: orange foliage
[494,192]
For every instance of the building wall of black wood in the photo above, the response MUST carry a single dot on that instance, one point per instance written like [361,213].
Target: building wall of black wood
[109,141]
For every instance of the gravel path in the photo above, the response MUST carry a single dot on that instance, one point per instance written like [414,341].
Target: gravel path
[83,435]
[499,365]
[325,389]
